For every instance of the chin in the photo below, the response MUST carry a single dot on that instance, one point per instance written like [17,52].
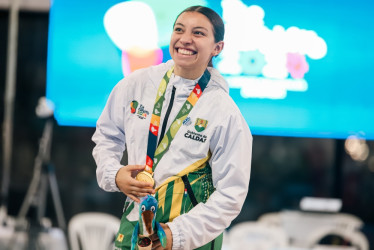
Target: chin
[182,63]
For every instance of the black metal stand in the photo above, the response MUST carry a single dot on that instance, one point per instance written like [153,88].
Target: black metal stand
[44,176]
[338,168]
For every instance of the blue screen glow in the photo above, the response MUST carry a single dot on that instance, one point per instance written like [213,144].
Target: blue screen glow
[295,68]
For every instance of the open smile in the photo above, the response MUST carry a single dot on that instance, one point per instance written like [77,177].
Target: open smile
[186,52]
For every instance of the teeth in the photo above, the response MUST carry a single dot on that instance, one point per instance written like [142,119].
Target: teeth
[185,52]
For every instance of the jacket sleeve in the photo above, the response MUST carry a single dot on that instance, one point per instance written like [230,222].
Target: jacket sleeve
[231,147]
[110,140]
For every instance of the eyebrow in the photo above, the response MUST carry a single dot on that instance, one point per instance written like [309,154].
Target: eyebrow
[198,27]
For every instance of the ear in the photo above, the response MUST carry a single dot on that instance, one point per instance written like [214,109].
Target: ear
[218,48]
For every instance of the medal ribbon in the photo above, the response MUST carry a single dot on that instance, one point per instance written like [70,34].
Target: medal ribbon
[154,154]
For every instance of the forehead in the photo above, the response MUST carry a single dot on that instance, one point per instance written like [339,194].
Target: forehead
[194,19]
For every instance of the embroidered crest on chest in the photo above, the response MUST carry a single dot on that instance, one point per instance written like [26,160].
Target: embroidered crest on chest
[138,110]
[200,126]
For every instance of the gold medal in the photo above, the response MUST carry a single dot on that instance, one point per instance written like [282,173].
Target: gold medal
[146,177]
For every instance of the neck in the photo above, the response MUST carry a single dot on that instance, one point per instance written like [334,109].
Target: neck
[187,73]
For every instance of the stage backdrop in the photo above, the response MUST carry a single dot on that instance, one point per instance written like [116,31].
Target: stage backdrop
[294,67]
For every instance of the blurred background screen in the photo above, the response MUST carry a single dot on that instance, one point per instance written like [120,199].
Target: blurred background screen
[295,68]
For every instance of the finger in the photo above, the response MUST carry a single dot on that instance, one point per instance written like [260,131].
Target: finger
[140,184]
[156,244]
[133,197]
[135,173]
[141,189]
[141,194]
[153,237]
[135,167]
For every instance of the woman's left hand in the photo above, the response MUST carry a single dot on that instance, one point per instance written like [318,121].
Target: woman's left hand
[156,244]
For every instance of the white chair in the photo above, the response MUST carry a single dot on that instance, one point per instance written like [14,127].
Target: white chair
[256,236]
[348,222]
[271,219]
[93,231]
[226,241]
[299,225]
[356,238]
[52,238]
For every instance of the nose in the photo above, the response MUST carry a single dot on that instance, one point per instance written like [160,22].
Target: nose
[186,38]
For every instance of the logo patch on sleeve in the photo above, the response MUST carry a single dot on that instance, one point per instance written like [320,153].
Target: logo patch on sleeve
[120,237]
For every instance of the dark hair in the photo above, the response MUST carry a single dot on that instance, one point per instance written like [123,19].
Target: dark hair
[214,18]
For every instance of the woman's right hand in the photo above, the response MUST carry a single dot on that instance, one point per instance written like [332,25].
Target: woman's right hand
[132,188]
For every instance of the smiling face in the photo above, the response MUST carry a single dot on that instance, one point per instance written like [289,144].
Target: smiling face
[192,44]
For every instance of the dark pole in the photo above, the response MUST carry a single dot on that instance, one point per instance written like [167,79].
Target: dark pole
[9,102]
[338,168]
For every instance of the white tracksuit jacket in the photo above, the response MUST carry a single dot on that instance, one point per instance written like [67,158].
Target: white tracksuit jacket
[227,136]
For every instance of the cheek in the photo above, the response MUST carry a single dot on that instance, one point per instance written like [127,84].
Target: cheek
[171,45]
[208,51]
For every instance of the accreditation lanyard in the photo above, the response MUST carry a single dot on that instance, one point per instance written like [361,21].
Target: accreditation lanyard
[154,154]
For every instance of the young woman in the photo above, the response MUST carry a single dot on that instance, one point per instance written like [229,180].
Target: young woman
[184,134]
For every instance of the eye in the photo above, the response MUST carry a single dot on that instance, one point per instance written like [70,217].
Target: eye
[143,208]
[153,208]
[177,29]
[199,33]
